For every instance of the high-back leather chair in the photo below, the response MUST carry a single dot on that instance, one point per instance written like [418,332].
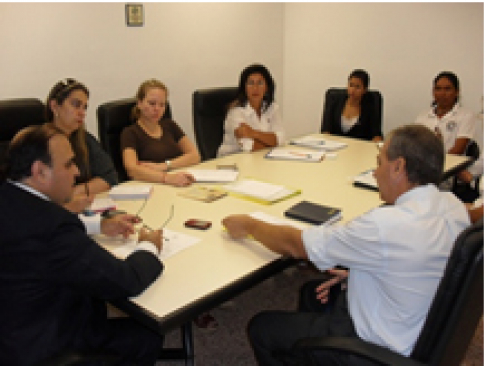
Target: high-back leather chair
[16,114]
[468,192]
[209,108]
[332,95]
[451,320]
[113,117]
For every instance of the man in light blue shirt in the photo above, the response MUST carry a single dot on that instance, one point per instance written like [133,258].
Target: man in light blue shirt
[396,254]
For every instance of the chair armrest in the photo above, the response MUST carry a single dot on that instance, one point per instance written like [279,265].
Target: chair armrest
[356,347]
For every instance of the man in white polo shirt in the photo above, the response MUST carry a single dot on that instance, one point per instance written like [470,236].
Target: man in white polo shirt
[396,254]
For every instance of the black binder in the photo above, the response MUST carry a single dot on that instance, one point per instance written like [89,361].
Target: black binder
[314,213]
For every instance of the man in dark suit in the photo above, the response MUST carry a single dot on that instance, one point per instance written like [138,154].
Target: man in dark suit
[54,279]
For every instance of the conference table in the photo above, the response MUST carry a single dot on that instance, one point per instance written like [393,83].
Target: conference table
[218,268]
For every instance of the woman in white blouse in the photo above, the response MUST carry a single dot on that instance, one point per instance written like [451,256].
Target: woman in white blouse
[253,121]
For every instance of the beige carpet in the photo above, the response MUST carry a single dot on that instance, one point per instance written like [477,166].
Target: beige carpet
[475,352]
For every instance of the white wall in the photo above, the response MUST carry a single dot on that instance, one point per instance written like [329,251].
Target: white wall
[307,46]
[402,45]
[187,46]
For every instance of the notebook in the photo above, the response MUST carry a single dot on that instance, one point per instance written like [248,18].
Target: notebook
[314,213]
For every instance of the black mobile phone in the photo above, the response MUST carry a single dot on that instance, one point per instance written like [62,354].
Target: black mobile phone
[198,224]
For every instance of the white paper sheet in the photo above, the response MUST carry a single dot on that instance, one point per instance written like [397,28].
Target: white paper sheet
[173,243]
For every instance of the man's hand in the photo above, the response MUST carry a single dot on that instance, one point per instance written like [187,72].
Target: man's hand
[155,237]
[323,289]
[237,225]
[119,224]
[79,202]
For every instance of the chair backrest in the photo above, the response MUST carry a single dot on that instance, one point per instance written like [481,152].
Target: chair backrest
[472,150]
[209,108]
[113,117]
[16,114]
[458,304]
[337,93]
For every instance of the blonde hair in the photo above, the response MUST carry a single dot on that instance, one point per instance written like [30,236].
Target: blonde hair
[142,93]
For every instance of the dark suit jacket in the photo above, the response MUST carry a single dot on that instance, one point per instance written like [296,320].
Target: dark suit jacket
[54,279]
[367,127]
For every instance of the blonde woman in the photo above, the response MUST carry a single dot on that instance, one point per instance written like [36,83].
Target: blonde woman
[153,146]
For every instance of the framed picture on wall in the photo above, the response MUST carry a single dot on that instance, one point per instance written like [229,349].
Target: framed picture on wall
[134,15]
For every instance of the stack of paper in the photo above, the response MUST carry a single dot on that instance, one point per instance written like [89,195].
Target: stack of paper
[213,175]
[260,191]
[173,243]
[130,192]
[102,204]
[281,153]
[366,180]
[319,143]
[262,216]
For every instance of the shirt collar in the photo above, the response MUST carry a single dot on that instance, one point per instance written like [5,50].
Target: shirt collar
[29,189]
[452,112]
[249,109]
[416,193]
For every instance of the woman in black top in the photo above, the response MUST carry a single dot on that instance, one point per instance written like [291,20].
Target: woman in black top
[66,107]
[354,114]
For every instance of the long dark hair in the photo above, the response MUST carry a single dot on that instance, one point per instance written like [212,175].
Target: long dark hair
[362,75]
[60,92]
[242,98]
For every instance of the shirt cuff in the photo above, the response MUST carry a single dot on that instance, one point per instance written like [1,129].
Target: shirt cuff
[147,246]
[246,144]
[91,223]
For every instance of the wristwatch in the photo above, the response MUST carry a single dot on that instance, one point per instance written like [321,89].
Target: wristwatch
[168,163]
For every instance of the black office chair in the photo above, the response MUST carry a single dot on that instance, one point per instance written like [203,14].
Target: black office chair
[332,95]
[113,117]
[464,191]
[16,114]
[450,324]
[209,108]
[75,358]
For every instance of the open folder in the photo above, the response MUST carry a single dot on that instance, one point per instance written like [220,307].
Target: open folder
[280,153]
[318,143]
[260,192]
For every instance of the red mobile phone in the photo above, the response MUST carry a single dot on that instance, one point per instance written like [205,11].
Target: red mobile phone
[198,224]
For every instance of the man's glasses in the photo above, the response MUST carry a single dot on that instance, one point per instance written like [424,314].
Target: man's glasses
[171,215]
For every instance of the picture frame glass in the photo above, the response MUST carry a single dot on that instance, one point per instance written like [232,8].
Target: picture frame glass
[134,15]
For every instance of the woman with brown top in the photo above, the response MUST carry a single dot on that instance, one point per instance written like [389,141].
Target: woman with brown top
[152,146]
